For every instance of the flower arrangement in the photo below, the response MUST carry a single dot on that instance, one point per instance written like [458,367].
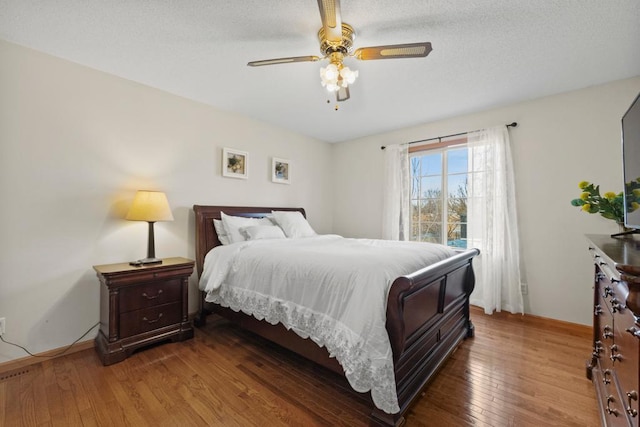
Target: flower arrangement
[610,205]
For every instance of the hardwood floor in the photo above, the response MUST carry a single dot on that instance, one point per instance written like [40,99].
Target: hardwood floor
[516,371]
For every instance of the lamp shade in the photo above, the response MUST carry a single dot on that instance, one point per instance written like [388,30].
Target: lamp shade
[150,206]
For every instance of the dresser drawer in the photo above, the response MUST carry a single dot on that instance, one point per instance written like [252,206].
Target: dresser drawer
[626,364]
[148,319]
[612,407]
[611,291]
[149,295]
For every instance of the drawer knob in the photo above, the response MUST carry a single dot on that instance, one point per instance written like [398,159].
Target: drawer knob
[615,356]
[152,321]
[144,294]
[597,348]
[632,395]
[605,375]
[607,332]
[597,310]
[616,306]
[634,331]
[610,410]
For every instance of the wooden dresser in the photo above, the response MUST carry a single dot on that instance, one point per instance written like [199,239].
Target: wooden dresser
[614,364]
[141,306]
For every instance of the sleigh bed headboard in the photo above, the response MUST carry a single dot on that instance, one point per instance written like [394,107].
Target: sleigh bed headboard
[206,236]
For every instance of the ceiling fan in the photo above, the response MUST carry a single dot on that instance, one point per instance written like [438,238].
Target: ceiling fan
[336,43]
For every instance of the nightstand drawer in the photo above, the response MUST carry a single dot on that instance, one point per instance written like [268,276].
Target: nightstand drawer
[148,319]
[149,275]
[149,295]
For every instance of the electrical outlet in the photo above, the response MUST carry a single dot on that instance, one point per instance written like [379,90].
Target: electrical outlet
[3,323]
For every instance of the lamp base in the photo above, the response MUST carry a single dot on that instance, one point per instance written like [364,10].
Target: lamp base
[146,261]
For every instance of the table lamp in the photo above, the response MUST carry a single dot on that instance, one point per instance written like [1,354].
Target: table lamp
[150,206]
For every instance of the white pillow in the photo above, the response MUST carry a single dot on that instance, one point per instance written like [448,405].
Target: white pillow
[221,232]
[233,224]
[258,232]
[293,223]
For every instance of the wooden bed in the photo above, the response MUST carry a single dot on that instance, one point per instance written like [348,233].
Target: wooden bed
[427,314]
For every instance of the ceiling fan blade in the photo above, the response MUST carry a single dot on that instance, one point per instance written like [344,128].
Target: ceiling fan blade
[331,20]
[407,50]
[274,61]
[342,94]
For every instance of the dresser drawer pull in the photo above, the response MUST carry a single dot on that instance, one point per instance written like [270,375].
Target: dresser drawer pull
[608,290]
[144,294]
[152,321]
[607,332]
[632,395]
[598,348]
[610,410]
[597,310]
[615,356]
[634,331]
[605,375]
[616,306]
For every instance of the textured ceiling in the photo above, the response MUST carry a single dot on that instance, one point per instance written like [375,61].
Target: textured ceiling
[486,53]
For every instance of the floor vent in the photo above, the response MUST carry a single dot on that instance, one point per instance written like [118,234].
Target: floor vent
[13,374]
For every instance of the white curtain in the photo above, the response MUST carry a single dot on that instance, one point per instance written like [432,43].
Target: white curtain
[492,224]
[395,209]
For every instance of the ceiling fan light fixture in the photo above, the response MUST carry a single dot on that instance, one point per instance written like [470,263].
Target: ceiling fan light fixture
[330,72]
[336,75]
[348,76]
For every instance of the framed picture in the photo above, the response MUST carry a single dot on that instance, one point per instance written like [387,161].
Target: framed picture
[235,163]
[281,171]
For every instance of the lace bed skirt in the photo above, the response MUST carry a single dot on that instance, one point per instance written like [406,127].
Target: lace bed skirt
[363,373]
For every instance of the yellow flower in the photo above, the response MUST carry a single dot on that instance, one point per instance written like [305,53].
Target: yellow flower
[634,206]
[636,192]
[609,205]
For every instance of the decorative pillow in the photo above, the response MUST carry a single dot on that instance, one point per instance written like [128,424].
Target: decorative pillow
[259,232]
[221,232]
[232,225]
[293,223]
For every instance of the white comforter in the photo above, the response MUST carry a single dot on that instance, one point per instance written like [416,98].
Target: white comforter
[327,288]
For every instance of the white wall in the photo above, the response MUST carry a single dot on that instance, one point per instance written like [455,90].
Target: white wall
[75,145]
[560,141]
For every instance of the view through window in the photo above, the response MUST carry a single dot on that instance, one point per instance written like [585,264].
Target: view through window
[439,195]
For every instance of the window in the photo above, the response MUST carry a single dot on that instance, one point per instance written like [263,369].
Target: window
[461,193]
[439,176]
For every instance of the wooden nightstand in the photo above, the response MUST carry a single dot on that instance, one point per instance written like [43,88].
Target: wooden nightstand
[141,306]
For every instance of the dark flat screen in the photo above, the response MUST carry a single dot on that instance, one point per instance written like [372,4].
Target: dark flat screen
[631,155]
